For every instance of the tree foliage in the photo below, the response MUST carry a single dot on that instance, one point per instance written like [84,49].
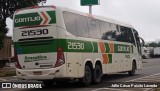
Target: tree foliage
[7,9]
[153,44]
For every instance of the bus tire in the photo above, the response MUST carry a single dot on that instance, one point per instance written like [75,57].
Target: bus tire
[86,80]
[48,83]
[133,71]
[97,74]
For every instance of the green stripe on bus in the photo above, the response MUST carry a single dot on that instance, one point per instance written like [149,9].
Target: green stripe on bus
[52,14]
[107,47]
[121,48]
[36,47]
[132,48]
[78,46]
[110,58]
[68,45]
[95,44]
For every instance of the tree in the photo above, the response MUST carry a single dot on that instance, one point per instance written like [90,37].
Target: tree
[7,9]
[158,44]
[152,44]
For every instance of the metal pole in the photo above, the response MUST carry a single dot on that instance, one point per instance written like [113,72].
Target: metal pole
[90,9]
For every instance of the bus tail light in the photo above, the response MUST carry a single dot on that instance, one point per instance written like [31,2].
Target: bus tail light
[16,60]
[60,57]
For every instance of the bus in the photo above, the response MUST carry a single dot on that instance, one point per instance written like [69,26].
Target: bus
[55,43]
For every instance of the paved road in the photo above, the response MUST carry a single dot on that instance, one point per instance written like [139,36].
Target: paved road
[149,73]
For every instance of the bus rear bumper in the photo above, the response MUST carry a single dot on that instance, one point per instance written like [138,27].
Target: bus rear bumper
[40,74]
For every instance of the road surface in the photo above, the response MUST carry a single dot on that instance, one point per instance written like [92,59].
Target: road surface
[149,73]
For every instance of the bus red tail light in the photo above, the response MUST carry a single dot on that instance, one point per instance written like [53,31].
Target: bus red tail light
[16,60]
[60,57]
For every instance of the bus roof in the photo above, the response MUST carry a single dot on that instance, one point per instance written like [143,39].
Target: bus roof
[107,19]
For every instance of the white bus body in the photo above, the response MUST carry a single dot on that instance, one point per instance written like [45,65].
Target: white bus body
[53,42]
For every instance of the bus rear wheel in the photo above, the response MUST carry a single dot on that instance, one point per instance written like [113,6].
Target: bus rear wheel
[97,74]
[133,71]
[86,80]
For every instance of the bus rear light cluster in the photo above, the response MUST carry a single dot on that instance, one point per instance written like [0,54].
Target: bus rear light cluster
[60,57]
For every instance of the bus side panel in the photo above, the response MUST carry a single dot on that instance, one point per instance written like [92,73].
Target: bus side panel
[137,58]
[139,62]
[124,62]
[119,61]
[76,64]
[72,64]
[112,67]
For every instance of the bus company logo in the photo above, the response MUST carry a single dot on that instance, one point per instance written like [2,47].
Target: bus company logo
[123,49]
[35,58]
[36,18]
[28,19]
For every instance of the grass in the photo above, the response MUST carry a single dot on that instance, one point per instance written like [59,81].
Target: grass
[7,72]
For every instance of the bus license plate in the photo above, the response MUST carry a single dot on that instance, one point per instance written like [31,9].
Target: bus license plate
[37,73]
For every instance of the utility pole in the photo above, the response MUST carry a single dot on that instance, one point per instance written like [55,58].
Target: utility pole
[89,3]
[90,9]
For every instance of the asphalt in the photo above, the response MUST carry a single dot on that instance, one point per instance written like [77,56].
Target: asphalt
[149,73]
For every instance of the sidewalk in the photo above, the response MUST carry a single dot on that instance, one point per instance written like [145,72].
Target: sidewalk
[7,71]
[8,78]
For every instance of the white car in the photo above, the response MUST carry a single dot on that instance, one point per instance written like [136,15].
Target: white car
[145,53]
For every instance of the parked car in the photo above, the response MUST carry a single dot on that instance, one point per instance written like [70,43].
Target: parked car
[145,53]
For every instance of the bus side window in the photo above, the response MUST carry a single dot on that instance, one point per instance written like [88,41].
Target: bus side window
[126,35]
[70,22]
[110,33]
[82,26]
[137,41]
[104,27]
[94,30]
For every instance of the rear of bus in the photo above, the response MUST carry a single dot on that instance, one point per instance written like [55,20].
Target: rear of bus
[38,55]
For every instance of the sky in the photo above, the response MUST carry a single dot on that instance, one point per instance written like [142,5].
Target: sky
[144,15]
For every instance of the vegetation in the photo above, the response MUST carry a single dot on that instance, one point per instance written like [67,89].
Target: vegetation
[153,44]
[7,8]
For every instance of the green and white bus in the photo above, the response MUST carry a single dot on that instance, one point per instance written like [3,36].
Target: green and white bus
[53,43]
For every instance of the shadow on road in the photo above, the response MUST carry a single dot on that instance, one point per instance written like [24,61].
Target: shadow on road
[76,85]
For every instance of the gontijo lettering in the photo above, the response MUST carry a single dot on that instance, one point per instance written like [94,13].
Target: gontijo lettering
[123,48]
[28,19]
